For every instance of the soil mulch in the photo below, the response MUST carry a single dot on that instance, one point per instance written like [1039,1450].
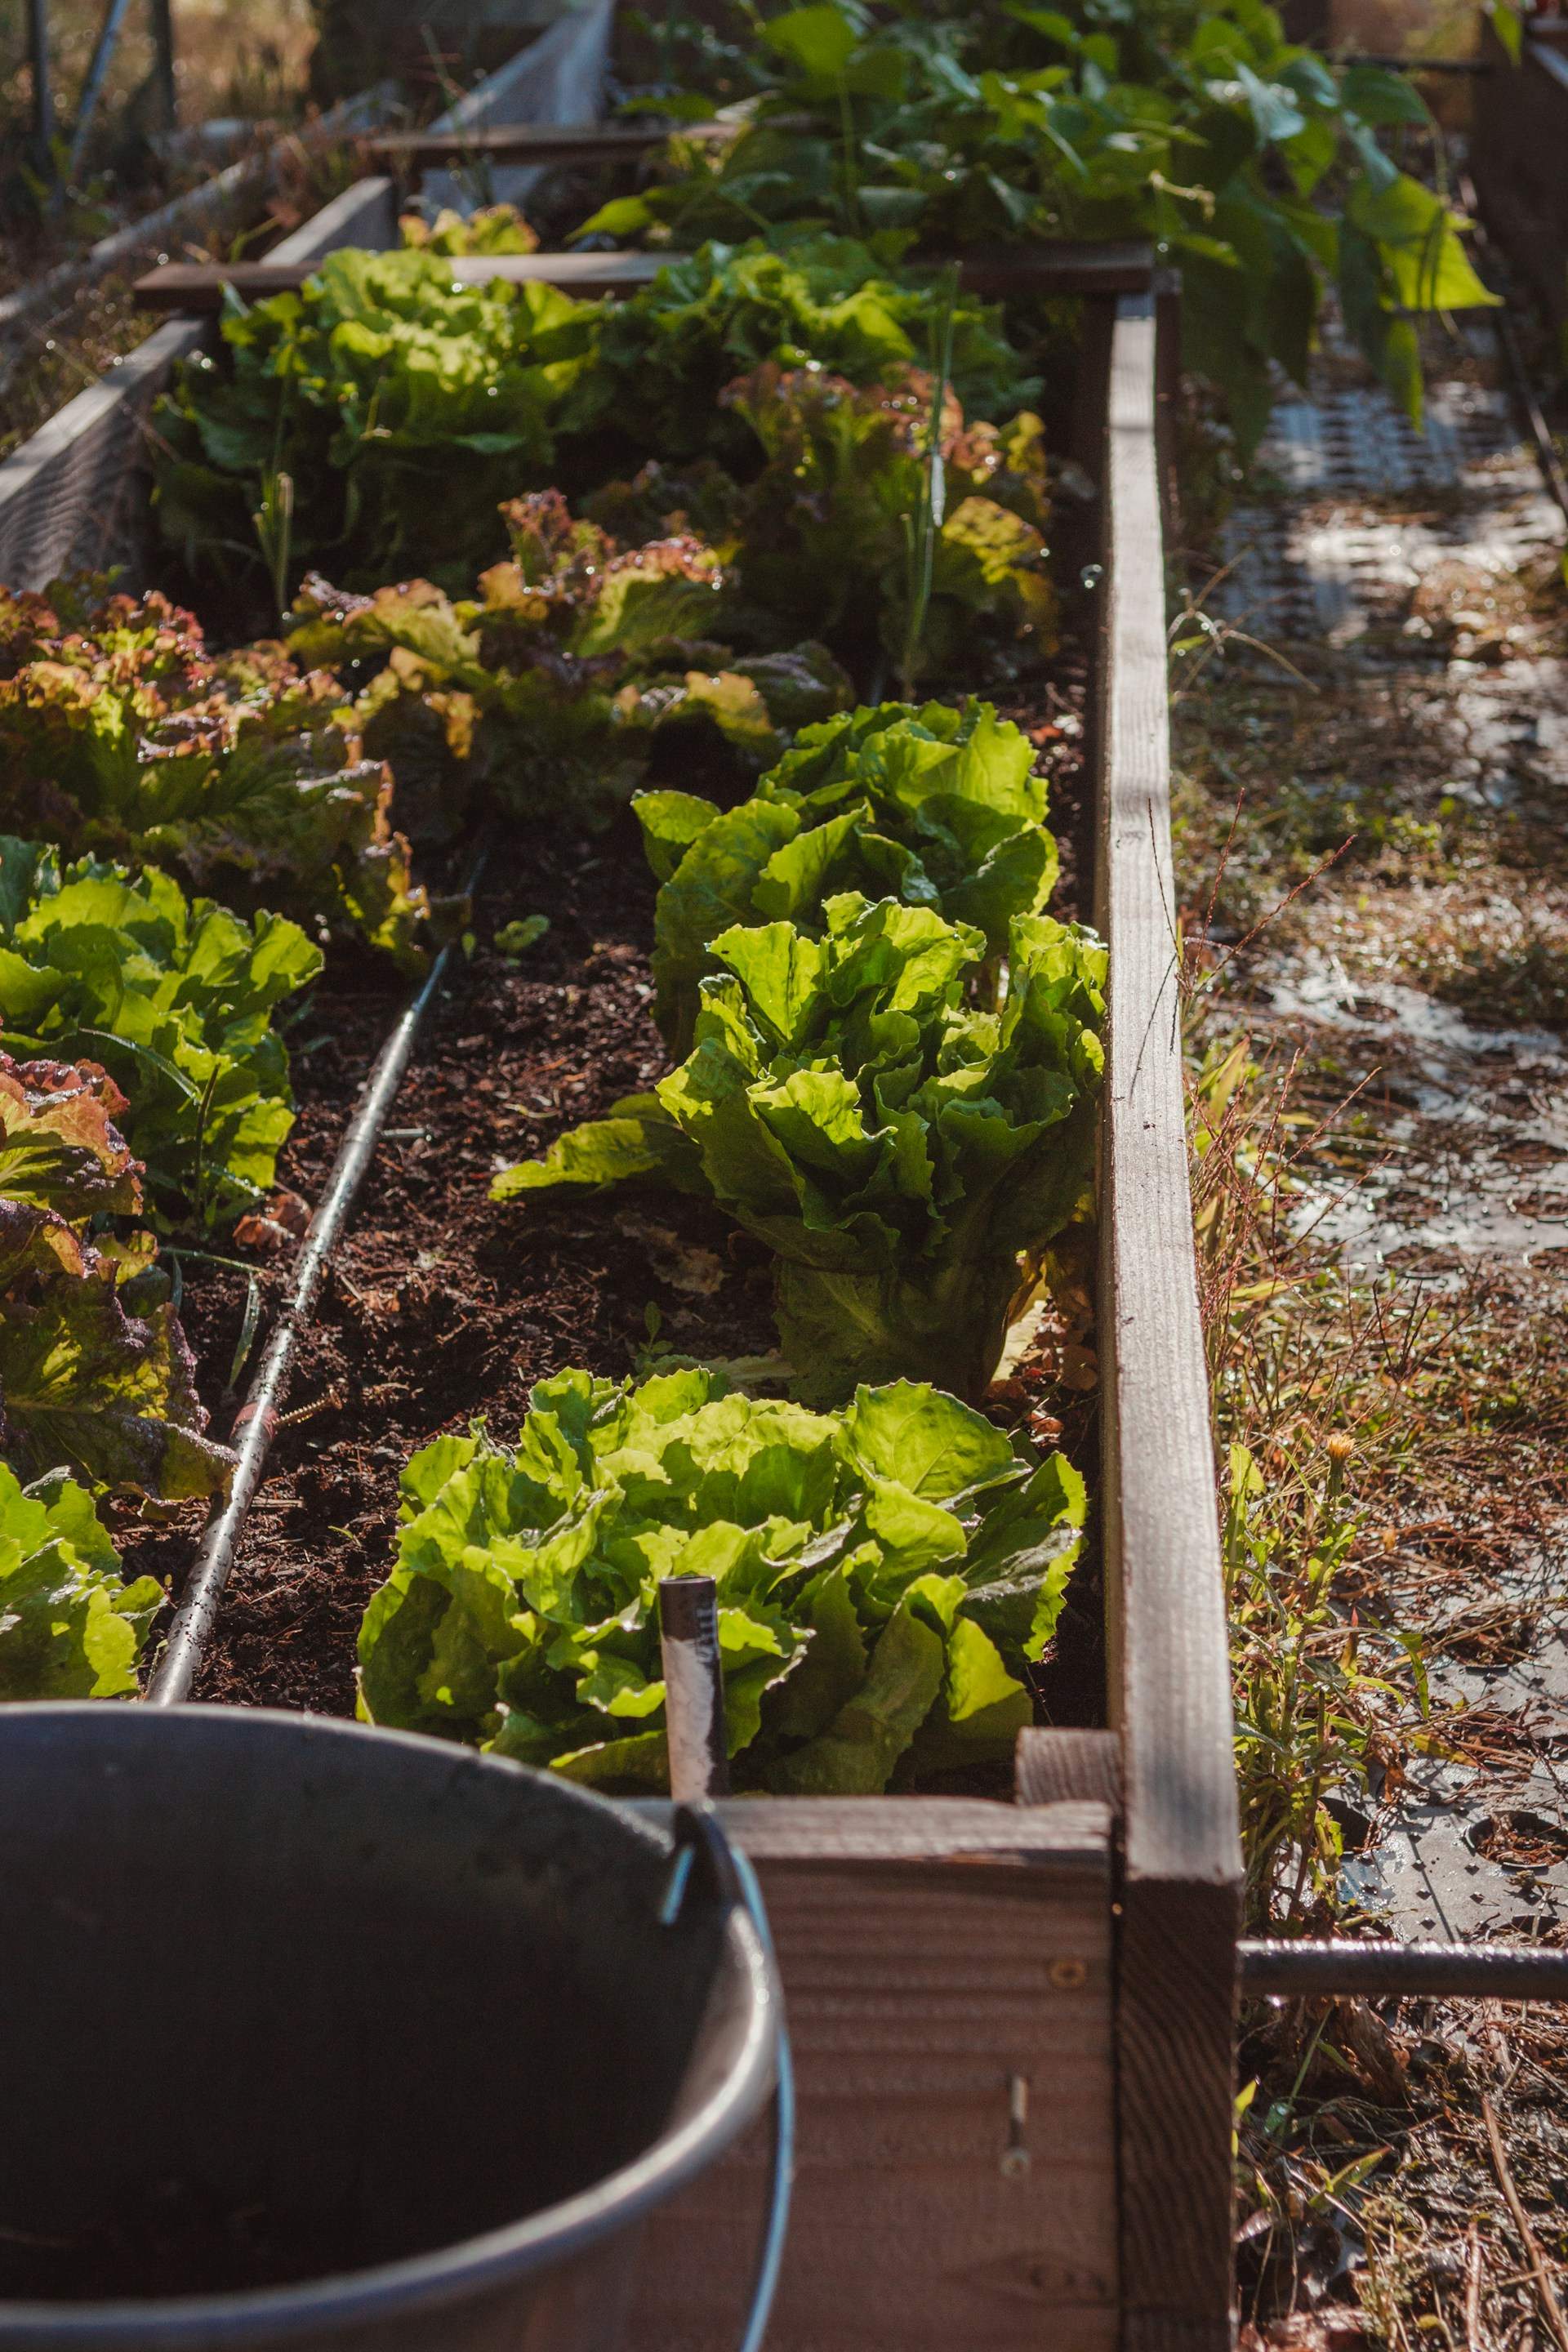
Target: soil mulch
[442,1308]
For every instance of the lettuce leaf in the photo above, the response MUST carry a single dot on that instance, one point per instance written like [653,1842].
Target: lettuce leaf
[402,406]
[905,1155]
[176,997]
[70,1626]
[89,1382]
[123,737]
[665,355]
[939,806]
[522,1611]
[549,689]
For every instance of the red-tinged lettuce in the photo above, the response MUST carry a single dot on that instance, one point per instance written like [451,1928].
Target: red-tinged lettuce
[123,736]
[827,531]
[906,1157]
[887,1578]
[826,528]
[175,996]
[941,807]
[95,1375]
[71,1625]
[551,688]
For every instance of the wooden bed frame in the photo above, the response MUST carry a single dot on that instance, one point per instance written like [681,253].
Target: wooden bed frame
[1013,2024]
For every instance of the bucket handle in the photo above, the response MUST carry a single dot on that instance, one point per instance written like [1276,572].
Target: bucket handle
[698,1831]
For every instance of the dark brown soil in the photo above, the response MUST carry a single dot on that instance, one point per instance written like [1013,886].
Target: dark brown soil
[441,1308]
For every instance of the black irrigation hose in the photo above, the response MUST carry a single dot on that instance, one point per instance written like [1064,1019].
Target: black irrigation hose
[1288,1968]
[256,1422]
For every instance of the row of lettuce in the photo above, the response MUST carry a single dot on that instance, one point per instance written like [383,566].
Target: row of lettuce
[530,556]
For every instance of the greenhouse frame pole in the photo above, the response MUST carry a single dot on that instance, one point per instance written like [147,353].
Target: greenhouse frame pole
[43,86]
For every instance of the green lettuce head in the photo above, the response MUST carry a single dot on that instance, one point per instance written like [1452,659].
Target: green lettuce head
[905,1154]
[887,1578]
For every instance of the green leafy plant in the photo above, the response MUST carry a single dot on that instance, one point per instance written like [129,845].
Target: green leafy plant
[551,688]
[1254,165]
[838,532]
[95,1375]
[121,735]
[404,406]
[175,996]
[492,228]
[886,1579]
[906,1156]
[941,807]
[70,1626]
[663,357]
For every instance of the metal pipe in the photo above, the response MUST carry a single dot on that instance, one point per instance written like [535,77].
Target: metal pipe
[43,86]
[255,1423]
[164,61]
[694,1723]
[1290,1969]
[92,88]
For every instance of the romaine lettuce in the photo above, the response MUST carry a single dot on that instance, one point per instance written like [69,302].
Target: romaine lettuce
[905,1155]
[942,807]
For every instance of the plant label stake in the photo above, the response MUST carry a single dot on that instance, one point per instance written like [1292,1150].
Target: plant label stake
[693,1689]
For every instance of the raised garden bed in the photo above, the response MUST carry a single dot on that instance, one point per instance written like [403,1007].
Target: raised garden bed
[1012,2012]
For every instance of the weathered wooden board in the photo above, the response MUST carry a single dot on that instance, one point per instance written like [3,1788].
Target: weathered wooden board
[1170,1693]
[199,288]
[535,143]
[1518,162]
[930,1951]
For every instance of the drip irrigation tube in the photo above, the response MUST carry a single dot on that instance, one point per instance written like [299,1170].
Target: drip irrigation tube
[1287,1967]
[256,1422]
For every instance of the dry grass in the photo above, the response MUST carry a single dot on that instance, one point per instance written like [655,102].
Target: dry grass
[1397,1448]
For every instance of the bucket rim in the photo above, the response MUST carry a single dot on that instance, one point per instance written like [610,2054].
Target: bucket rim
[470,2266]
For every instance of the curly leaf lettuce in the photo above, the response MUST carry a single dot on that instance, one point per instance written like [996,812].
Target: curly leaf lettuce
[665,355]
[404,405]
[123,736]
[70,1626]
[551,687]
[903,1154]
[176,997]
[95,1375]
[887,1578]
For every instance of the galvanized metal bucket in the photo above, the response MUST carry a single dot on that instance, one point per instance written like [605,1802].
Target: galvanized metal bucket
[324,2036]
